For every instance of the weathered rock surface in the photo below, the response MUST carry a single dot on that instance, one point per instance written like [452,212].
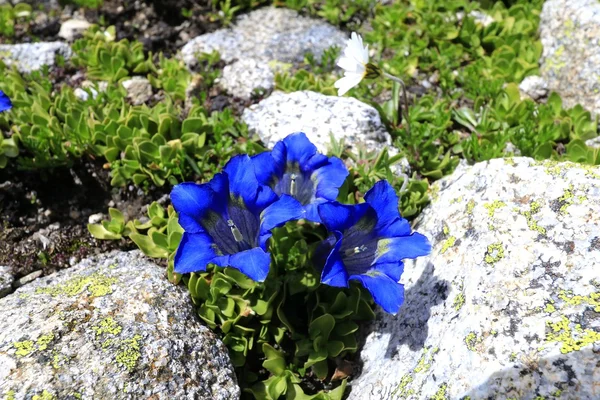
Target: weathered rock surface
[139,90]
[534,87]
[267,34]
[6,280]
[245,76]
[318,116]
[508,303]
[111,327]
[570,63]
[32,56]
[72,28]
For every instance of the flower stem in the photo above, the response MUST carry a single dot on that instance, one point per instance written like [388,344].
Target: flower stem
[404,98]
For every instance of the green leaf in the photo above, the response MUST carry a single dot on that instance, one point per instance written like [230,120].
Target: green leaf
[148,247]
[275,362]
[100,232]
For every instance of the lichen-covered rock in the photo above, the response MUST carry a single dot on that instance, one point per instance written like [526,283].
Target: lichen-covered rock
[267,34]
[264,35]
[6,280]
[318,116]
[139,90]
[508,303]
[533,87]
[242,78]
[111,327]
[33,56]
[570,63]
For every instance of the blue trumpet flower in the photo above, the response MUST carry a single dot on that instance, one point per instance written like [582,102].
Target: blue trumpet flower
[228,221]
[295,167]
[368,242]
[5,103]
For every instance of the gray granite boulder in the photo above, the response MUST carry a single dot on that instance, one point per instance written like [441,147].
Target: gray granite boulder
[6,280]
[508,303]
[319,116]
[570,63]
[32,56]
[111,327]
[267,34]
[139,89]
[244,77]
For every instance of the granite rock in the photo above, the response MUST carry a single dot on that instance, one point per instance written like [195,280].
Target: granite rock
[139,90]
[6,280]
[242,78]
[533,87]
[318,116]
[508,303]
[570,63]
[111,327]
[32,56]
[73,28]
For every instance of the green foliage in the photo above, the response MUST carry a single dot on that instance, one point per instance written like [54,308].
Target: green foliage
[316,75]
[10,15]
[92,4]
[337,12]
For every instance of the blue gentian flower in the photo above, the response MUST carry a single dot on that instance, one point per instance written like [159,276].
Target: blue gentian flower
[228,221]
[368,243]
[5,103]
[295,167]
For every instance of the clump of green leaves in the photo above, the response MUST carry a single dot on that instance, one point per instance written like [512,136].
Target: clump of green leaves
[11,15]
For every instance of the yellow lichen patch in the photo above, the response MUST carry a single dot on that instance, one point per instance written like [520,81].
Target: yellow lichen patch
[593,299]
[459,301]
[549,308]
[457,200]
[471,340]
[107,325]
[534,208]
[129,353]
[426,360]
[44,396]
[566,199]
[403,391]
[572,339]
[43,341]
[493,206]
[447,244]
[470,207]
[441,393]
[97,285]
[23,348]
[494,253]
[10,395]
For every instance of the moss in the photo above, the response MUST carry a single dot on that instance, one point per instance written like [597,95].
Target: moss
[129,353]
[534,208]
[24,348]
[459,301]
[107,326]
[441,393]
[447,244]
[562,332]
[470,207]
[494,253]
[97,285]
[402,391]
[492,207]
[44,396]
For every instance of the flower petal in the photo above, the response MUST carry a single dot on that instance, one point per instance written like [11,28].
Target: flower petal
[299,148]
[339,217]
[348,64]
[5,103]
[393,269]
[346,83]
[385,291]
[383,198]
[195,251]
[329,178]
[192,201]
[403,247]
[277,214]
[243,183]
[334,272]
[266,169]
[254,263]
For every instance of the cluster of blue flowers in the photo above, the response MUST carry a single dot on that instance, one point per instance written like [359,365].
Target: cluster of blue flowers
[5,103]
[229,220]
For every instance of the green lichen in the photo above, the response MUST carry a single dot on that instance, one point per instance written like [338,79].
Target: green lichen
[10,395]
[566,199]
[512,357]
[77,395]
[572,339]
[447,244]
[549,308]
[459,301]
[445,229]
[441,393]
[43,341]
[510,161]
[129,353]
[471,340]
[107,326]
[44,396]
[426,360]
[470,207]
[97,285]
[403,391]
[534,208]
[457,200]
[557,393]
[593,299]
[494,253]
[492,207]
[23,348]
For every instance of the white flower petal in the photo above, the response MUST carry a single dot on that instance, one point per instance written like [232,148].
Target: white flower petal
[349,64]
[355,49]
[347,82]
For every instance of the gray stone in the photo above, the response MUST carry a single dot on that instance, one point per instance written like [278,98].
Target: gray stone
[533,87]
[6,280]
[28,278]
[111,327]
[139,89]
[267,34]
[319,116]
[570,63]
[594,143]
[32,56]
[72,28]
[507,305]
[242,78]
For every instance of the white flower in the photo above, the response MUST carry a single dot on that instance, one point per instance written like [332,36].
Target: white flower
[354,62]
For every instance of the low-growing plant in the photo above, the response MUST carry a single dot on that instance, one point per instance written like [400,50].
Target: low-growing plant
[11,15]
